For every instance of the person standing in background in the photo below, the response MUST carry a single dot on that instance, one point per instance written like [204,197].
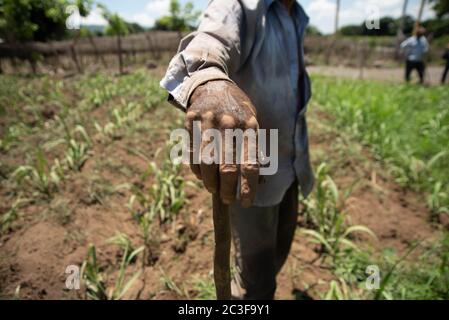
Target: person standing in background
[446,69]
[415,49]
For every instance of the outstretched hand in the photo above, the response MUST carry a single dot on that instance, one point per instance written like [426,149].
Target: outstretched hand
[221,105]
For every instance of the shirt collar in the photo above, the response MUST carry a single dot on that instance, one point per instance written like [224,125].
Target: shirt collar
[303,17]
[269,2]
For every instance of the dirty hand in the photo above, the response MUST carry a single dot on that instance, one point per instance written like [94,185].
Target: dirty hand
[222,105]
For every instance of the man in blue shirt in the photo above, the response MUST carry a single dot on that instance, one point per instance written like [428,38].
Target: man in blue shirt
[415,49]
[244,68]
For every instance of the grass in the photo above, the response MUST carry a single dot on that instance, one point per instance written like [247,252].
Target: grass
[425,277]
[406,127]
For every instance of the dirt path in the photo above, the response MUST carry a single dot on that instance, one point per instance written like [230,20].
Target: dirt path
[433,74]
[49,236]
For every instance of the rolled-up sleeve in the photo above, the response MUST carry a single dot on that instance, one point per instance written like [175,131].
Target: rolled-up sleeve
[210,53]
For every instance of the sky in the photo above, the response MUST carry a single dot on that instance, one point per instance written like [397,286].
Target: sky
[321,12]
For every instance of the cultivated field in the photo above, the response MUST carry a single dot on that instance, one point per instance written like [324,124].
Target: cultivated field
[85,180]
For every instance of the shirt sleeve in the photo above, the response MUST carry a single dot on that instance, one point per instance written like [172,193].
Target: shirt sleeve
[426,45]
[210,53]
[405,43]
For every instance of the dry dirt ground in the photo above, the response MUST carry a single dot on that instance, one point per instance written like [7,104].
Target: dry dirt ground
[48,237]
[433,73]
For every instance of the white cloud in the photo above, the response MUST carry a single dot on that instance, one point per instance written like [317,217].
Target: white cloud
[94,18]
[322,12]
[153,10]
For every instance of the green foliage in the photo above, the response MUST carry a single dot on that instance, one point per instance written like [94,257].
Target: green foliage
[205,289]
[389,26]
[441,7]
[425,279]
[438,27]
[313,31]
[38,20]
[407,127]
[116,25]
[181,18]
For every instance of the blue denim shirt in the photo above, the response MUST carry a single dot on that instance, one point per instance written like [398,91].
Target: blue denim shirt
[415,48]
[258,45]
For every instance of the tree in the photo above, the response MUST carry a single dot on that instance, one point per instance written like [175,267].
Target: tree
[180,18]
[37,20]
[352,30]
[116,27]
[441,7]
[388,27]
[313,31]
[134,27]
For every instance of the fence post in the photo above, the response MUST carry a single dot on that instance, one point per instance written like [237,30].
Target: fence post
[96,52]
[120,58]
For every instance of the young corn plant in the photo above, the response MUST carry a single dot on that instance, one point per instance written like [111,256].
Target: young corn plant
[437,199]
[122,116]
[165,197]
[10,216]
[205,289]
[109,130]
[78,144]
[144,216]
[170,285]
[325,211]
[95,281]
[93,277]
[77,150]
[341,290]
[123,242]
[39,176]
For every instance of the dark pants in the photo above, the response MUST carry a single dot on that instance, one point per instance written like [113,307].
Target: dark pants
[262,240]
[446,71]
[415,65]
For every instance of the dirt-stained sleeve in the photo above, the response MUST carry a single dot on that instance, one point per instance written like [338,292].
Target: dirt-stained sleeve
[210,53]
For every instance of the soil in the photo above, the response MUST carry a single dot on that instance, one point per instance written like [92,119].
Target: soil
[53,234]
[396,74]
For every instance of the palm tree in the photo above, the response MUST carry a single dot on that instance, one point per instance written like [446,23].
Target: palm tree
[402,23]
[400,32]
[337,16]
[420,13]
